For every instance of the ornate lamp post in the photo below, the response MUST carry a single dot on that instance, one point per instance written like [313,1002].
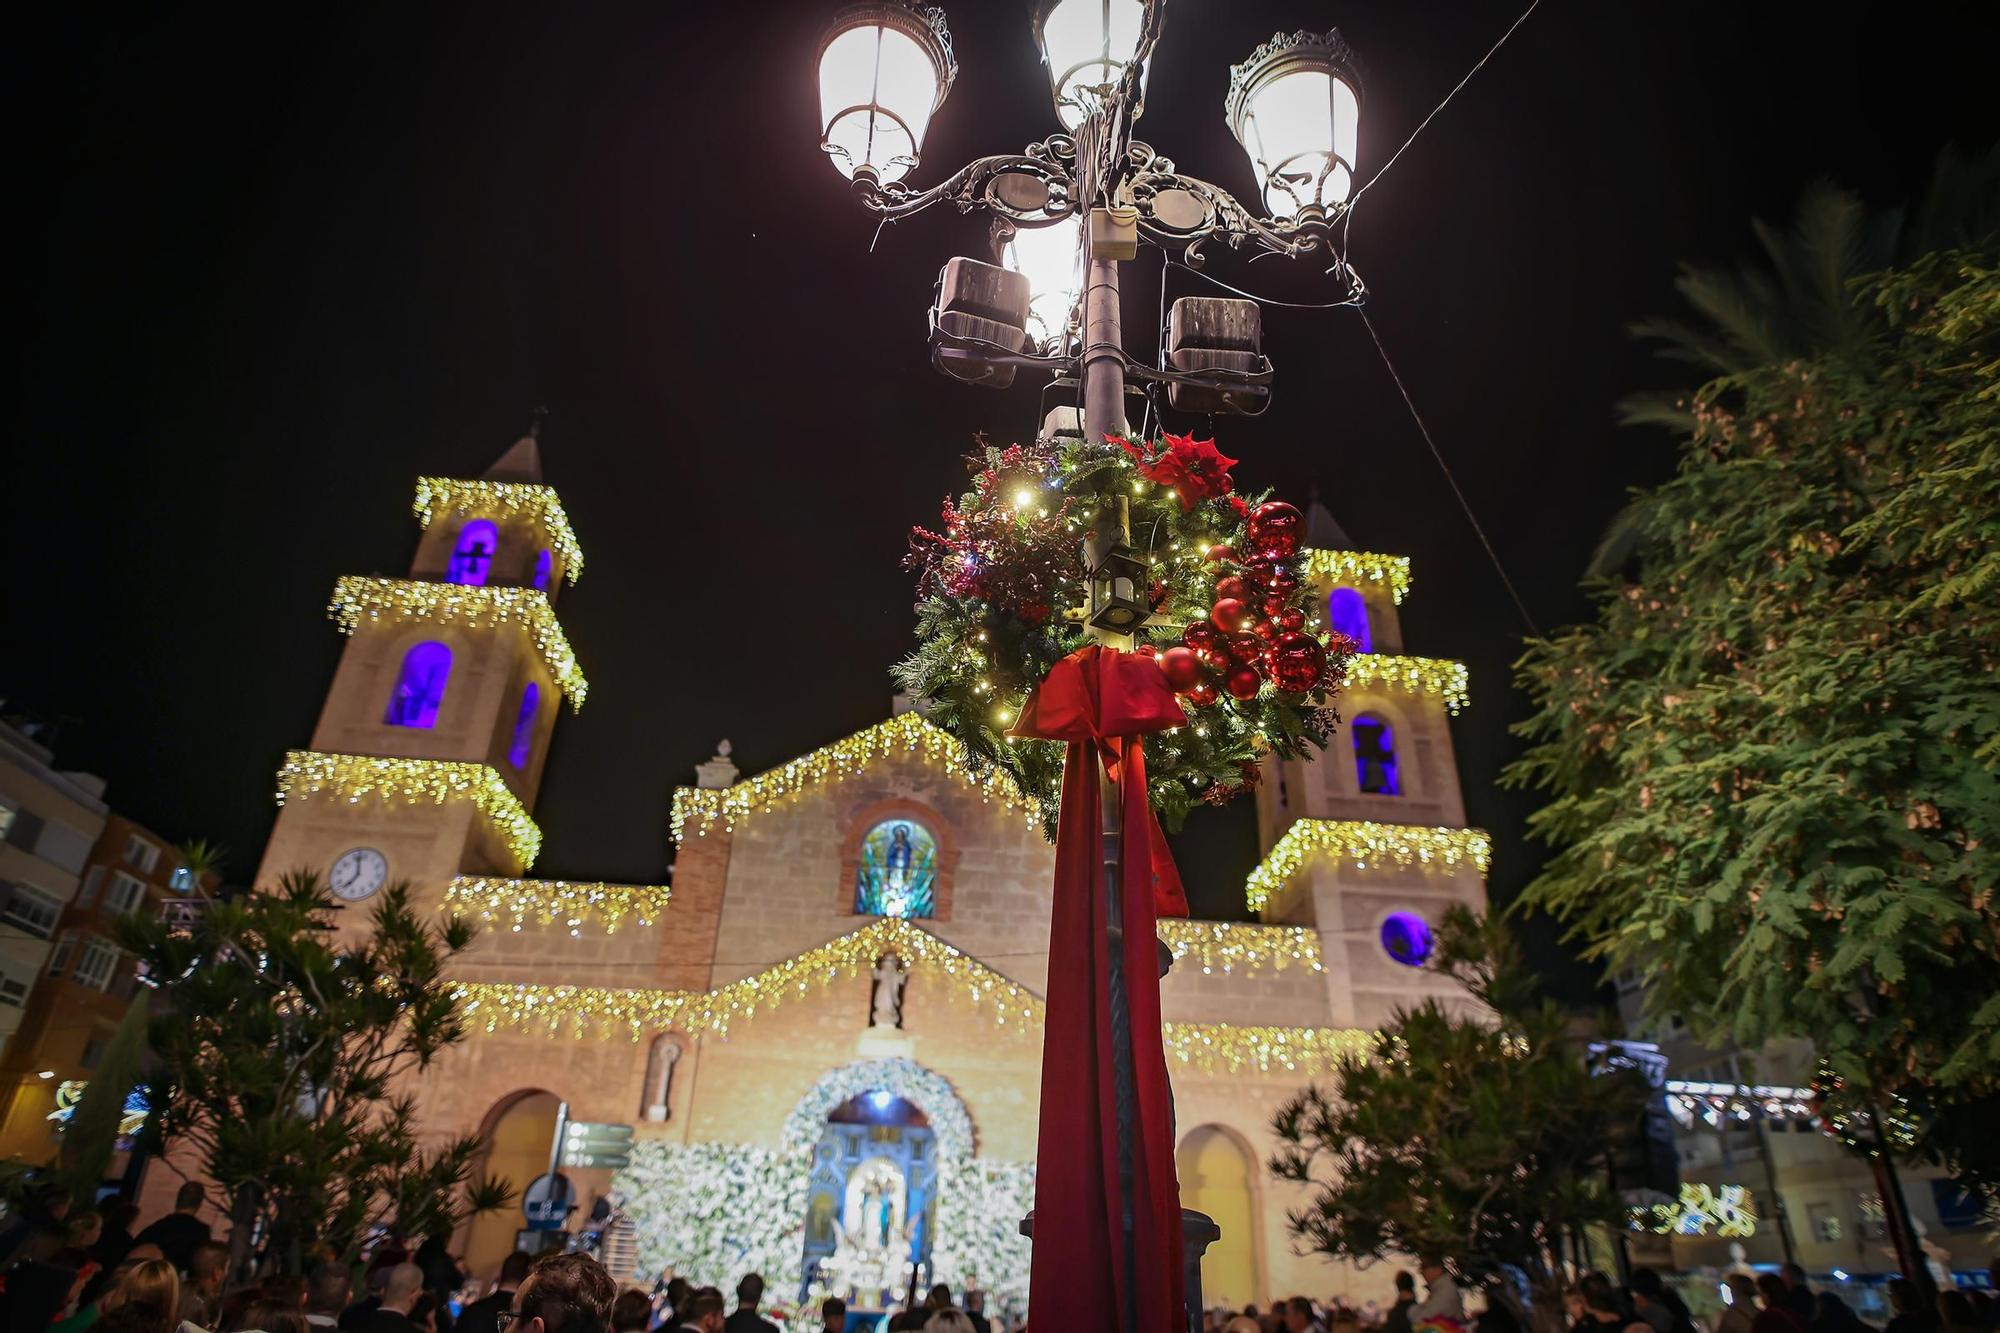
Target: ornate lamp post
[1069,209]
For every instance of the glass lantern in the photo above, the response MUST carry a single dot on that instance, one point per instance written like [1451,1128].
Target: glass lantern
[1118,585]
[1295,106]
[884,70]
[1085,46]
[1049,258]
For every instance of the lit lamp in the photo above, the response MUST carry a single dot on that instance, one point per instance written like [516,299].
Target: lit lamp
[1295,106]
[1085,46]
[884,68]
[1047,258]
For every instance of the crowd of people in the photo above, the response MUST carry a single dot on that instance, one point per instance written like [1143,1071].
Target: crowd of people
[1780,1302]
[89,1272]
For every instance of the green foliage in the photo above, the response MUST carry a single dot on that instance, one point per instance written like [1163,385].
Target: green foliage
[1771,756]
[985,638]
[1478,1136]
[91,1136]
[280,1048]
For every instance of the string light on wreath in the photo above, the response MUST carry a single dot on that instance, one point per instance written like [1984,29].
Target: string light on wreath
[1234,622]
[527,501]
[1364,844]
[312,775]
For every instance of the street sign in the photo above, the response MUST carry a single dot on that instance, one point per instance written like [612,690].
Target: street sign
[547,1202]
[595,1144]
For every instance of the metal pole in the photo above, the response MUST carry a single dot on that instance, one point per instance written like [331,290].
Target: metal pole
[1896,1208]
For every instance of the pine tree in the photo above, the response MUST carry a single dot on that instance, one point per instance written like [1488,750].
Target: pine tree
[1475,1133]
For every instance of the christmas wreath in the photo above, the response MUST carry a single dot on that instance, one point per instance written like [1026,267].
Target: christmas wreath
[1002,593]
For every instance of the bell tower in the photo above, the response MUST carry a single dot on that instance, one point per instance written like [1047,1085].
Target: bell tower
[1366,842]
[428,753]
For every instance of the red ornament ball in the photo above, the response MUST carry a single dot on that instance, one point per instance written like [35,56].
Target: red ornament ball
[1298,663]
[1199,633]
[1232,586]
[1146,650]
[1246,649]
[1267,630]
[1228,614]
[1202,695]
[1275,531]
[1274,604]
[1242,682]
[1220,554]
[1182,668]
[1293,620]
[1275,577]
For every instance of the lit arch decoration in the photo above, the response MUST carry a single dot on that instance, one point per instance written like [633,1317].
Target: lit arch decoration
[927,1090]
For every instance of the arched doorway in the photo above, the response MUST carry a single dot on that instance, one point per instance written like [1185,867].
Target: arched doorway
[518,1132]
[871,1207]
[1215,1170]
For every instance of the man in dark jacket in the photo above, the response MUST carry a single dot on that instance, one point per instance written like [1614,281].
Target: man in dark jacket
[749,1294]
[1398,1318]
[180,1231]
[482,1315]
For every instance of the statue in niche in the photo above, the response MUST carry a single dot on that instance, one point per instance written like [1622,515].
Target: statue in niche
[886,1011]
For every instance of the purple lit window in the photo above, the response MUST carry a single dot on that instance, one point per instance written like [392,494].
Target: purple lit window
[524,726]
[542,566]
[1347,612]
[420,686]
[472,557]
[1375,757]
[1406,937]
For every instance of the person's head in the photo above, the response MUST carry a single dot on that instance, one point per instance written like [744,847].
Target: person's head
[264,1315]
[1955,1308]
[939,1298]
[566,1293]
[1406,1286]
[677,1291]
[974,1302]
[330,1288]
[189,1197]
[949,1320]
[632,1311]
[750,1290]
[1598,1295]
[152,1286]
[84,1228]
[704,1310]
[1431,1266]
[1772,1288]
[1243,1323]
[1646,1282]
[399,1293]
[1795,1276]
[119,1214]
[142,1253]
[207,1263]
[1298,1314]
[514,1271]
[288,1290]
[1743,1292]
[833,1314]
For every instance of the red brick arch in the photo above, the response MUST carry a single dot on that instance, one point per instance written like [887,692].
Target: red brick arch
[863,818]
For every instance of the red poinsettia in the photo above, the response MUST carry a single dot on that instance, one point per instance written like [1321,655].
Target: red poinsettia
[1195,469]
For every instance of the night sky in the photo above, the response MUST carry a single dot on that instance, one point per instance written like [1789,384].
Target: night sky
[270,275]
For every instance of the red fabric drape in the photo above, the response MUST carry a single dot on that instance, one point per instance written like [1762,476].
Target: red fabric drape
[1102,703]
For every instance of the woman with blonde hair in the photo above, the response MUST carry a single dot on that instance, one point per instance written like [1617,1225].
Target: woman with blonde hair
[146,1299]
[950,1319]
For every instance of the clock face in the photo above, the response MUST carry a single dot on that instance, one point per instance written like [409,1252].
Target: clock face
[358,873]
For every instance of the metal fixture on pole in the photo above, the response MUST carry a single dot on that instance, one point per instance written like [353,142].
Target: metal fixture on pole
[885,67]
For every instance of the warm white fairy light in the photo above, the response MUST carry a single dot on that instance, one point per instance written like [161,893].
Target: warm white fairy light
[506,499]
[1349,567]
[1437,676]
[357,598]
[312,775]
[515,902]
[1365,843]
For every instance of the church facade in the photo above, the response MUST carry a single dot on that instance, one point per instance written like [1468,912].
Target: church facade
[825,1032]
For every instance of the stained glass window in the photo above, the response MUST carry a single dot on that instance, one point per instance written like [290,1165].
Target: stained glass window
[897,875]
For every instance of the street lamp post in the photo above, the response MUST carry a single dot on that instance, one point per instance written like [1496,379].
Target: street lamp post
[885,68]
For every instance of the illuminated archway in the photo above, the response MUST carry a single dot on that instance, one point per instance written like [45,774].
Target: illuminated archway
[1217,1178]
[518,1132]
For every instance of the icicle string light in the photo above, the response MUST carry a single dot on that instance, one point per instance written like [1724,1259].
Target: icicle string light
[1228,946]
[1351,567]
[699,809]
[1420,675]
[357,598]
[600,1011]
[515,902]
[1365,844]
[503,499]
[310,774]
